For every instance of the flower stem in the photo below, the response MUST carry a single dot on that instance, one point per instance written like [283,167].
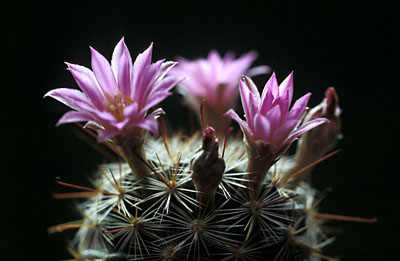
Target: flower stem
[133,152]
[257,169]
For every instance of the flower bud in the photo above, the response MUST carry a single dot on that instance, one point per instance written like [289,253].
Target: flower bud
[317,142]
[208,168]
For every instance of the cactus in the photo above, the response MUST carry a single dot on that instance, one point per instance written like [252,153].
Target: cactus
[207,196]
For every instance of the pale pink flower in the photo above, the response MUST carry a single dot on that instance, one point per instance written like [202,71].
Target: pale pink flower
[116,97]
[270,124]
[214,79]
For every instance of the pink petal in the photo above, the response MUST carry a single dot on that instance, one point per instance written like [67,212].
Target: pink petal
[155,99]
[161,91]
[142,61]
[253,105]
[165,68]
[251,86]
[73,116]
[299,107]
[124,74]
[283,132]
[244,95]
[286,89]
[74,99]
[132,114]
[150,123]
[262,69]
[215,65]
[262,127]
[231,113]
[148,78]
[240,65]
[306,127]
[228,57]
[88,84]
[249,99]
[103,72]
[271,87]
[271,90]
[274,116]
[283,103]
[104,134]
[117,53]
[191,85]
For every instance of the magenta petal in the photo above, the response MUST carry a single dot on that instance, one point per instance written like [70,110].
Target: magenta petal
[231,113]
[165,68]
[74,99]
[252,87]
[156,99]
[161,92]
[262,127]
[244,96]
[124,74]
[121,65]
[103,72]
[253,105]
[88,84]
[142,61]
[131,112]
[215,61]
[240,66]
[73,116]
[250,99]
[286,88]
[262,69]
[281,134]
[150,123]
[267,96]
[213,66]
[274,116]
[165,85]
[306,127]
[147,82]
[271,88]
[299,107]
[117,53]
[104,134]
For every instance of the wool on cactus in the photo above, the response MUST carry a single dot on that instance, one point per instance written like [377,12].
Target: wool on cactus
[208,195]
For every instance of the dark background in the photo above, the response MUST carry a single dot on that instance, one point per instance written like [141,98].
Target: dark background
[349,46]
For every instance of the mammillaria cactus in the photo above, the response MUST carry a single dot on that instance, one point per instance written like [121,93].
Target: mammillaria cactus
[205,196]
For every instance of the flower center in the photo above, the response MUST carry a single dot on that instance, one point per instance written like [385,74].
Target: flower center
[116,105]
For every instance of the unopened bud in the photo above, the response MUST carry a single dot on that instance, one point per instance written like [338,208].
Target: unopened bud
[317,142]
[323,138]
[208,168]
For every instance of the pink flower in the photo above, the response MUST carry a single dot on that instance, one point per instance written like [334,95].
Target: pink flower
[215,80]
[115,98]
[270,123]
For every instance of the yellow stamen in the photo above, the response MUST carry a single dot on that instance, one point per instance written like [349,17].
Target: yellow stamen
[116,105]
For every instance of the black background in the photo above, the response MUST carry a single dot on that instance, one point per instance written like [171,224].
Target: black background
[349,46]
